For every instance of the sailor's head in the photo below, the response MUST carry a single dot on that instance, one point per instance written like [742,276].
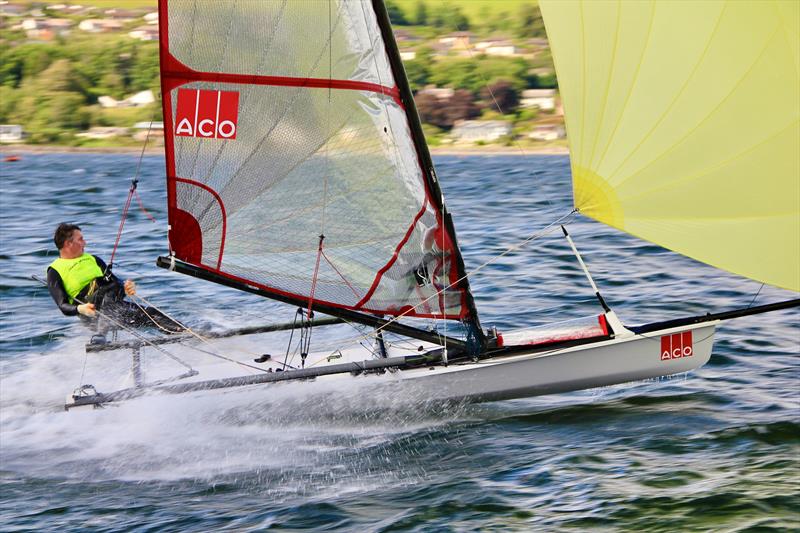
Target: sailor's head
[69,238]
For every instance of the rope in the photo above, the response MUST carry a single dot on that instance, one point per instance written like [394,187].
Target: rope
[291,337]
[314,279]
[122,221]
[550,227]
[191,332]
[83,370]
[139,336]
[131,193]
[340,275]
[141,206]
[547,229]
[754,297]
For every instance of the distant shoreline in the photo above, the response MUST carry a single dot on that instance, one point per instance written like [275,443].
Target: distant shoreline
[8,149]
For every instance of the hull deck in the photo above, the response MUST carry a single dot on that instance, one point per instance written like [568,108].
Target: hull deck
[515,372]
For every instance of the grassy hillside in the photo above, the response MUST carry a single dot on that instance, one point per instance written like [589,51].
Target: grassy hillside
[52,86]
[473,9]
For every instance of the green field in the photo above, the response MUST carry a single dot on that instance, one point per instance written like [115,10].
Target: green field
[473,9]
[104,4]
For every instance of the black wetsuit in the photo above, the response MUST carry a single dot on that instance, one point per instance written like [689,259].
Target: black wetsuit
[108,298]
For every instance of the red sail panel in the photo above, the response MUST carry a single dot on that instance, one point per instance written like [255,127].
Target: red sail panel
[283,123]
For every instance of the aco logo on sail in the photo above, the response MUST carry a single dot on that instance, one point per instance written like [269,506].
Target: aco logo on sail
[205,113]
[676,346]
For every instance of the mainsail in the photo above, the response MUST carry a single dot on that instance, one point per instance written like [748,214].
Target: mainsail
[684,125]
[294,160]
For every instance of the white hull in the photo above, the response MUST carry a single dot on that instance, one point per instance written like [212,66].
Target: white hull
[610,362]
[530,372]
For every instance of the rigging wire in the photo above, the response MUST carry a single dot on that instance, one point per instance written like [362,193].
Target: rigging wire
[754,297]
[139,336]
[440,293]
[552,226]
[191,332]
[83,370]
[547,229]
[131,193]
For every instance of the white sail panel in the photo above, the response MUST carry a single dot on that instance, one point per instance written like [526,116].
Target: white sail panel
[684,125]
[292,38]
[285,124]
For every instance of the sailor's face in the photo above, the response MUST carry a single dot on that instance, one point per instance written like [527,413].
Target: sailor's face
[76,243]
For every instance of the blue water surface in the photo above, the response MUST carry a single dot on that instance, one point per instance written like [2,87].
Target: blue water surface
[715,450]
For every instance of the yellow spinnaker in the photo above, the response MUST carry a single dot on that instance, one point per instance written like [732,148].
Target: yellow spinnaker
[684,125]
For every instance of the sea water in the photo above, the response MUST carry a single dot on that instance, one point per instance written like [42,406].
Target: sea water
[714,450]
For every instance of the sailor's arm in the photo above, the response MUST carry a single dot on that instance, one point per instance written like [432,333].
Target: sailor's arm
[129,285]
[56,288]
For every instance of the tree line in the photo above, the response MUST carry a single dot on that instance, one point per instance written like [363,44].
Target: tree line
[52,88]
[524,22]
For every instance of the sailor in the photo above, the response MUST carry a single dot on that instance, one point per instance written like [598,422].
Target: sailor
[82,284]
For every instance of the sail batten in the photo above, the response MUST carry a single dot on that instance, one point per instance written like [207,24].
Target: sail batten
[291,160]
[684,125]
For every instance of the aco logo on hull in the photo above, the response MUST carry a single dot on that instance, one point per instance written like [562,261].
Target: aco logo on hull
[676,346]
[207,114]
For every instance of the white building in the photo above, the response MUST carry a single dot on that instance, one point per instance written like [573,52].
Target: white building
[480,130]
[154,134]
[8,9]
[459,40]
[100,25]
[139,99]
[146,125]
[497,47]
[547,132]
[442,93]
[11,133]
[541,98]
[102,132]
[144,33]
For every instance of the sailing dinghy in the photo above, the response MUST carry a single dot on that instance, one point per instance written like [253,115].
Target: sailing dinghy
[297,170]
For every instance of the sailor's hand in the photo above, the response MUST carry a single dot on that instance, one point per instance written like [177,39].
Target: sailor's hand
[87,310]
[130,287]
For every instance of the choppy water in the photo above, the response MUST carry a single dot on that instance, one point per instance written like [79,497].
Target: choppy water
[716,450]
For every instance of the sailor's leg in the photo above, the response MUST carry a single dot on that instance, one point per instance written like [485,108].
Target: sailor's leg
[133,316]
[163,321]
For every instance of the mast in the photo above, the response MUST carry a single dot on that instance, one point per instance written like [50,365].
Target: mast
[426,161]
[201,209]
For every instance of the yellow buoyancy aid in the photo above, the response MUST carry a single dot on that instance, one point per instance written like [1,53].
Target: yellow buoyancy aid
[76,273]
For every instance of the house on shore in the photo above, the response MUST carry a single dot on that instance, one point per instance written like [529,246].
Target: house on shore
[145,33]
[547,132]
[101,25]
[480,130]
[102,132]
[11,133]
[442,93]
[150,131]
[544,99]
[142,98]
